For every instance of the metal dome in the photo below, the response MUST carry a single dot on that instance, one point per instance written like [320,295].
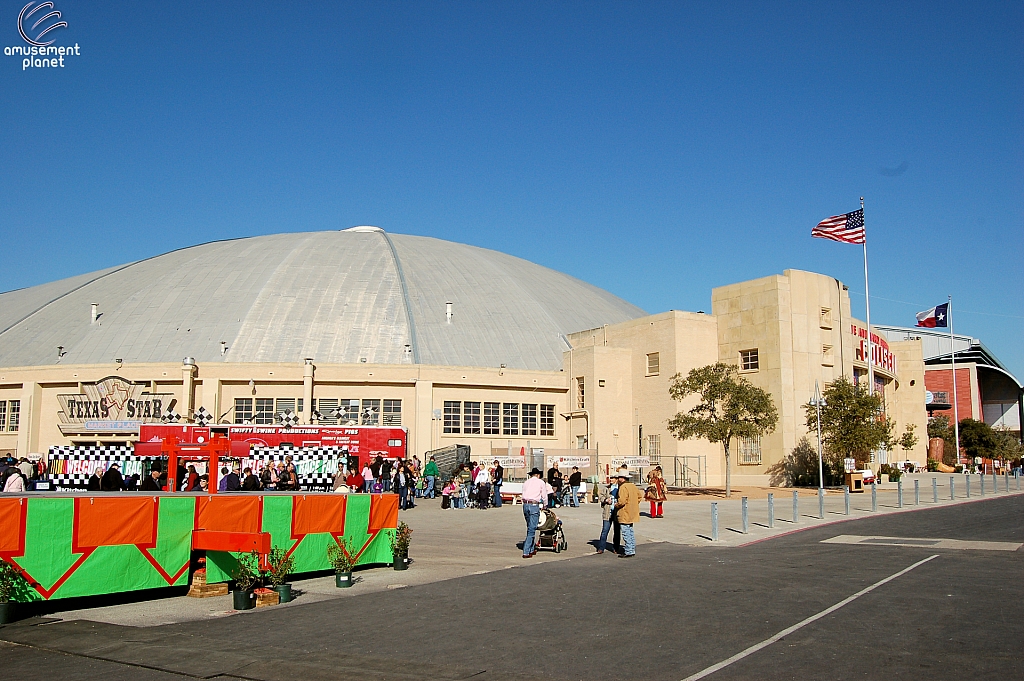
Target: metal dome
[357,295]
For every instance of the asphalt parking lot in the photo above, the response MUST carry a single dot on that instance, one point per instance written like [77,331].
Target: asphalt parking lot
[671,613]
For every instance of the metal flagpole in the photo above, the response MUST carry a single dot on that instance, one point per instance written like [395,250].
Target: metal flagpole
[867,306]
[817,402]
[952,358]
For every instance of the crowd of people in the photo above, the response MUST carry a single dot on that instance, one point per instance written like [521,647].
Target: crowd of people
[474,485]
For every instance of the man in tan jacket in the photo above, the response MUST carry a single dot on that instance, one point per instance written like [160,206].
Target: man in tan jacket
[628,510]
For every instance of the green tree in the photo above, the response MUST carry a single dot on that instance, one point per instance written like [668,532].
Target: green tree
[852,422]
[940,427]
[977,438]
[908,440]
[1008,446]
[729,407]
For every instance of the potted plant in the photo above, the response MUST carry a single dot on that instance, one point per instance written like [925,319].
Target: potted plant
[279,566]
[400,546]
[340,557]
[247,577]
[10,579]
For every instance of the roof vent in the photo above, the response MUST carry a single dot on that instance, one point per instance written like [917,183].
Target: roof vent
[363,228]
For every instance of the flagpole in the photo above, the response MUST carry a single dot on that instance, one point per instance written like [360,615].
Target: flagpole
[952,358]
[867,306]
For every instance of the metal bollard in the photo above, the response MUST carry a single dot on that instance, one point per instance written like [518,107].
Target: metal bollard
[935,491]
[1006,479]
[917,493]
[846,498]
[1018,480]
[746,518]
[995,482]
[982,479]
[899,492]
[874,497]
[796,508]
[821,504]
[967,481]
[952,488]
[771,510]
[714,521]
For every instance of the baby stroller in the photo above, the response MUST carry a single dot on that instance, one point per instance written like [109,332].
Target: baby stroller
[550,534]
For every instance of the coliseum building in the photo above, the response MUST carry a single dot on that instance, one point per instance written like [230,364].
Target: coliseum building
[457,344]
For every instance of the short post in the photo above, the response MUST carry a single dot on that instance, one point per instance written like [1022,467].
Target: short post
[935,491]
[846,498]
[714,521]
[982,479]
[746,518]
[1006,479]
[995,481]
[796,508]
[952,488]
[917,492]
[821,504]
[771,510]
[1018,480]
[874,497]
[899,492]
[967,481]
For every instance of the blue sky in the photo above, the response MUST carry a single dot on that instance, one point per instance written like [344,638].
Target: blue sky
[655,150]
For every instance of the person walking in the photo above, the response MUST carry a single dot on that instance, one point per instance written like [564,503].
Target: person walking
[430,473]
[499,479]
[368,478]
[534,495]
[483,487]
[575,482]
[555,480]
[655,492]
[628,507]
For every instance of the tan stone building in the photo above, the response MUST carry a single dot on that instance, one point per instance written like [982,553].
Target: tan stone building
[454,343]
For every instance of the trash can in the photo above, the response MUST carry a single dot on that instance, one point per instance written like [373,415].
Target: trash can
[855,481]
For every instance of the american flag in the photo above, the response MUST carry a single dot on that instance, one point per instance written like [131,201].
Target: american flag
[848,228]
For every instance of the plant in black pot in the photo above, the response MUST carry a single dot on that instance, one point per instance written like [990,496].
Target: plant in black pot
[342,560]
[400,546]
[11,580]
[279,566]
[247,577]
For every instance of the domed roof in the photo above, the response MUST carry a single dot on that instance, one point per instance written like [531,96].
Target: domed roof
[338,297]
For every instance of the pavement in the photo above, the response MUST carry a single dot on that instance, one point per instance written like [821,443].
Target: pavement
[929,592]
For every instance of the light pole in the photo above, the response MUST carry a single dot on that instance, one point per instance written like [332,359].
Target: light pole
[817,405]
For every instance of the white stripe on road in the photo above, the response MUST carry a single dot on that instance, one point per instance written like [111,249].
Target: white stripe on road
[803,623]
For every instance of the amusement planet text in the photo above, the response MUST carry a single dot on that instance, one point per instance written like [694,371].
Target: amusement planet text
[41,57]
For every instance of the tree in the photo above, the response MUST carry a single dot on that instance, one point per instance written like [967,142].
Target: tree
[939,426]
[852,422]
[729,407]
[978,439]
[1008,446]
[908,440]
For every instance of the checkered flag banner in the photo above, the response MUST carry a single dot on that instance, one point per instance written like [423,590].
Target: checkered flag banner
[338,413]
[170,416]
[316,415]
[203,417]
[289,418]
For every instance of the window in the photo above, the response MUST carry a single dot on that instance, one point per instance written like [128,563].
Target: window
[581,442]
[3,416]
[392,412]
[748,360]
[349,412]
[510,419]
[547,419]
[654,447]
[452,417]
[826,356]
[284,404]
[581,393]
[492,418]
[471,418]
[749,451]
[327,407]
[14,416]
[653,363]
[826,318]
[371,413]
[529,419]
[264,415]
[243,410]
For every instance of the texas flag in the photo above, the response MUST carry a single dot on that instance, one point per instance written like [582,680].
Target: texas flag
[934,317]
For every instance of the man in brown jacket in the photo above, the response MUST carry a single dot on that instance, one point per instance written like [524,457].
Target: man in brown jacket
[628,509]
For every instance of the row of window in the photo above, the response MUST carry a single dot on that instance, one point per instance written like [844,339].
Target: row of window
[10,416]
[265,411]
[496,418]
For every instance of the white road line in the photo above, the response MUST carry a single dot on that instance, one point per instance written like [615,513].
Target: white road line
[803,623]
